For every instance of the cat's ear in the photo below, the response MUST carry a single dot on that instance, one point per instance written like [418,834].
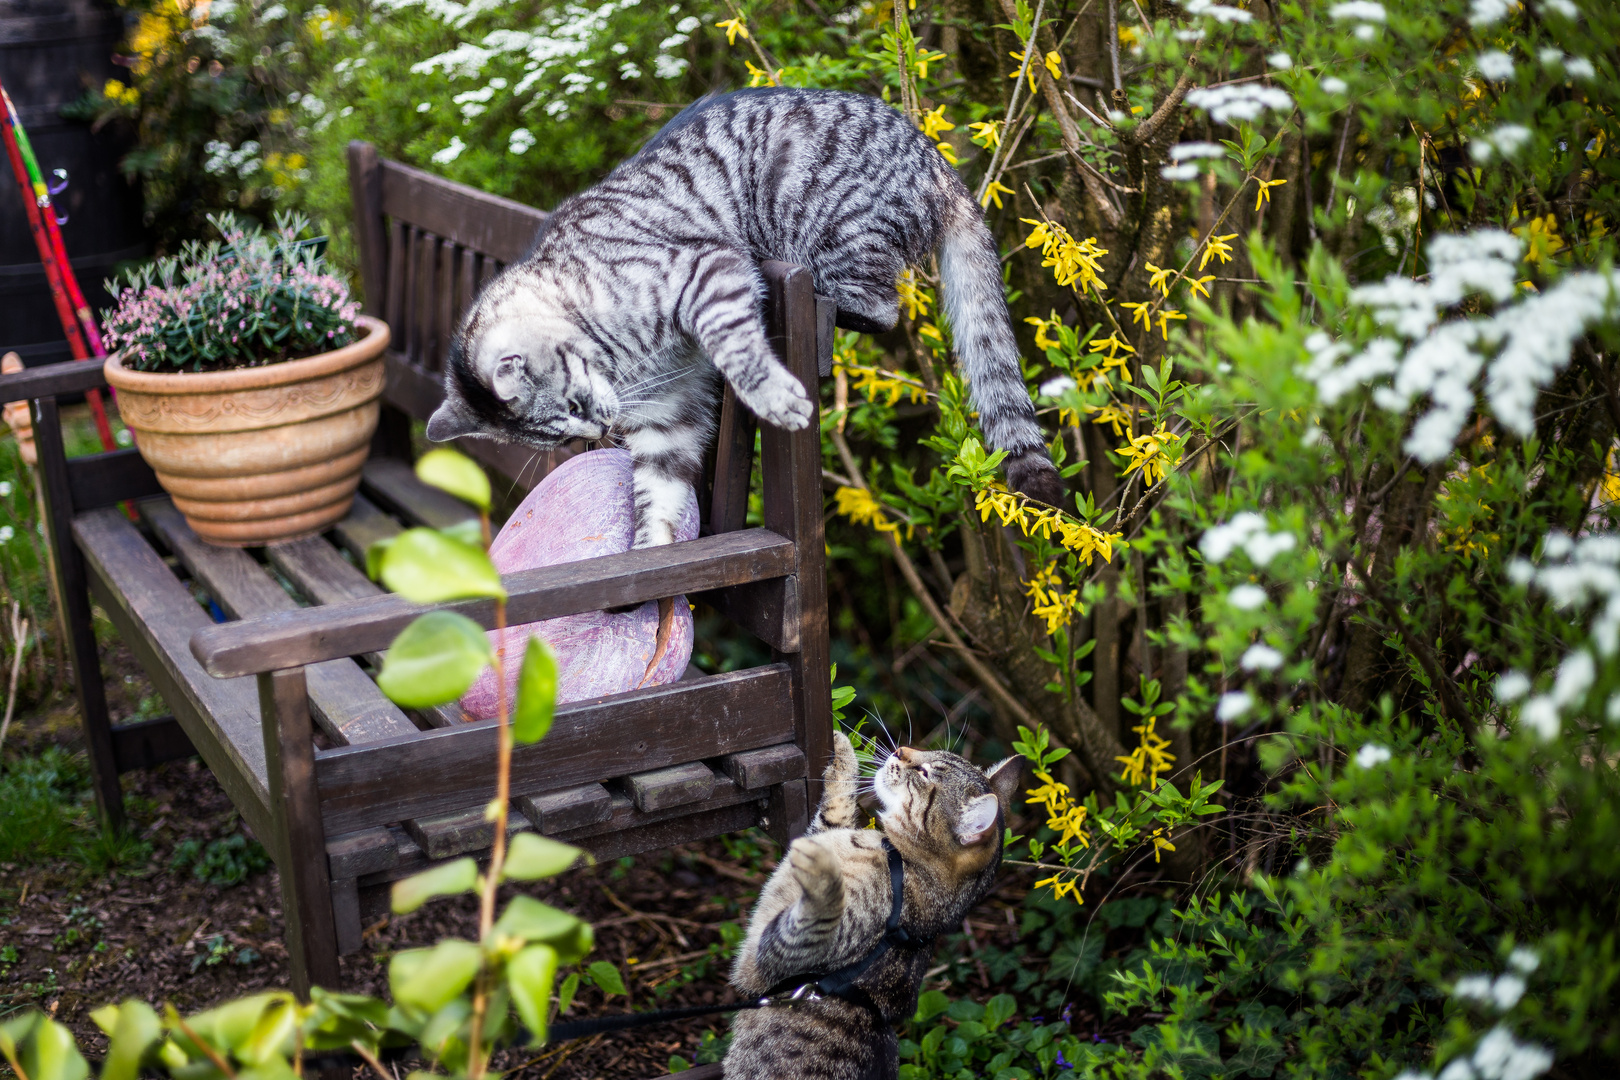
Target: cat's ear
[451,420]
[977,822]
[1005,779]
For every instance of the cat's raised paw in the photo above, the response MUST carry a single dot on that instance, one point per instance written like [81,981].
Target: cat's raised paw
[843,766]
[781,401]
[814,868]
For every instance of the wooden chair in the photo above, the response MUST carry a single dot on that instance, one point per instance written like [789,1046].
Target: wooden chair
[347,791]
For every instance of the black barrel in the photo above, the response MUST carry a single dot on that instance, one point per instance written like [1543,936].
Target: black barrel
[51,52]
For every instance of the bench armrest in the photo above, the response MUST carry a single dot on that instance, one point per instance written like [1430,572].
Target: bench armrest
[52,380]
[310,635]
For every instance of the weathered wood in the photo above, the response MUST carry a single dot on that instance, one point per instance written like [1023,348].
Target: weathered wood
[767,609]
[399,234]
[368,851]
[659,835]
[370,230]
[677,785]
[300,839]
[571,808]
[51,380]
[488,223]
[293,638]
[346,926]
[755,769]
[363,526]
[156,615]
[790,467]
[826,316]
[319,572]
[393,484]
[146,744]
[444,836]
[589,741]
[72,593]
[733,466]
[348,706]
[788,812]
[98,480]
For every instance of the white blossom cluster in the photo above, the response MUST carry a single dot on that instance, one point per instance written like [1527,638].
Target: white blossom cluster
[1234,704]
[1244,101]
[243,161]
[1495,65]
[1372,755]
[1498,1055]
[1575,574]
[1576,67]
[1218,12]
[1185,154]
[1506,140]
[1248,531]
[1521,347]
[1362,12]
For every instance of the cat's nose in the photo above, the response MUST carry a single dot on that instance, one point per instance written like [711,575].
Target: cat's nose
[907,755]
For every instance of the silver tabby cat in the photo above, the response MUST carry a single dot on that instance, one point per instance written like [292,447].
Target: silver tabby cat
[826,906]
[639,291]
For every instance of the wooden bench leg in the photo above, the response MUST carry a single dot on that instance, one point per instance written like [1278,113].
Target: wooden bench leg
[73,591]
[300,840]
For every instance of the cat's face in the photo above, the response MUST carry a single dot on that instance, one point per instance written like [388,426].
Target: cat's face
[522,369]
[945,805]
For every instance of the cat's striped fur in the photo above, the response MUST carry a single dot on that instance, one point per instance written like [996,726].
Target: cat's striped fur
[638,291]
[827,904]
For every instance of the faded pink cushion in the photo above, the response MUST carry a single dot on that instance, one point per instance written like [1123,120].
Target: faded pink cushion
[580,511]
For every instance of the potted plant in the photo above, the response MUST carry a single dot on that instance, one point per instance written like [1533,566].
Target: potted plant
[250,381]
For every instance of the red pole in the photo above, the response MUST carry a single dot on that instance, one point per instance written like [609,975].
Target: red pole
[71,307]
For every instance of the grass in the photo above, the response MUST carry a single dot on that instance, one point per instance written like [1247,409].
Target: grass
[46,812]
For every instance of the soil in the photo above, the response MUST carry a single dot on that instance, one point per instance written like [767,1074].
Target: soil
[157,933]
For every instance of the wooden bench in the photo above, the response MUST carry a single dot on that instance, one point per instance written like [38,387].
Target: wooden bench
[347,791]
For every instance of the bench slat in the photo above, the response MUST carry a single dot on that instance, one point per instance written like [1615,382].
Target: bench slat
[347,704]
[364,526]
[589,741]
[393,485]
[677,785]
[156,615]
[487,223]
[108,478]
[289,639]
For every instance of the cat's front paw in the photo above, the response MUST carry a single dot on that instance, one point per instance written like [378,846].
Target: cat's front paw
[780,400]
[843,768]
[815,869]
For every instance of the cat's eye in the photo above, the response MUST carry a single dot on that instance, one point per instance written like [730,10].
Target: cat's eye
[575,411]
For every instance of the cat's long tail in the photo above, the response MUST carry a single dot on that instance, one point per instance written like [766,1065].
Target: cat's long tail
[977,308]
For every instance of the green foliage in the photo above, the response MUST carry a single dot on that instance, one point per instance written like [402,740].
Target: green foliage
[434,660]
[536,692]
[229,861]
[42,802]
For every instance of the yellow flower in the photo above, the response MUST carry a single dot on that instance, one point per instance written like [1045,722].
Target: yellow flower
[119,94]
[1541,238]
[947,151]
[915,300]
[1165,315]
[1112,415]
[993,193]
[924,57]
[1060,886]
[876,383]
[759,76]
[734,29]
[1113,343]
[1074,262]
[1146,452]
[1139,312]
[1018,56]
[1042,339]
[1051,62]
[1200,285]
[987,133]
[1264,194]
[1041,235]
[1071,826]
[1160,844]
[1160,279]
[1149,759]
[861,508]
[930,331]
[1052,794]
[1218,248]
[934,122]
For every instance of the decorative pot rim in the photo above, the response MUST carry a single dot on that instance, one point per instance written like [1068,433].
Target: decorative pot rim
[363,350]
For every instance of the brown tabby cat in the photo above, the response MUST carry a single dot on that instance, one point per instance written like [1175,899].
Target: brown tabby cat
[827,905]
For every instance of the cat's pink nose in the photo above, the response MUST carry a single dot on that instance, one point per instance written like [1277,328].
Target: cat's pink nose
[907,755]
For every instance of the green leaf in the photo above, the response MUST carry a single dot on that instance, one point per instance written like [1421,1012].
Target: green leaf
[133,1029]
[930,1005]
[565,996]
[271,1037]
[470,531]
[529,920]
[374,556]
[536,693]
[434,660]
[447,879]
[429,567]
[530,975]
[429,979]
[606,977]
[456,473]
[533,856]
[51,1054]
[999,1009]
[678,1063]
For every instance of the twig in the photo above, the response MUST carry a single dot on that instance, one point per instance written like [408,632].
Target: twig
[370,1059]
[208,1051]
[19,636]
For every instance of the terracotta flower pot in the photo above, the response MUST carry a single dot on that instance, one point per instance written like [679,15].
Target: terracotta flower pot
[259,454]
